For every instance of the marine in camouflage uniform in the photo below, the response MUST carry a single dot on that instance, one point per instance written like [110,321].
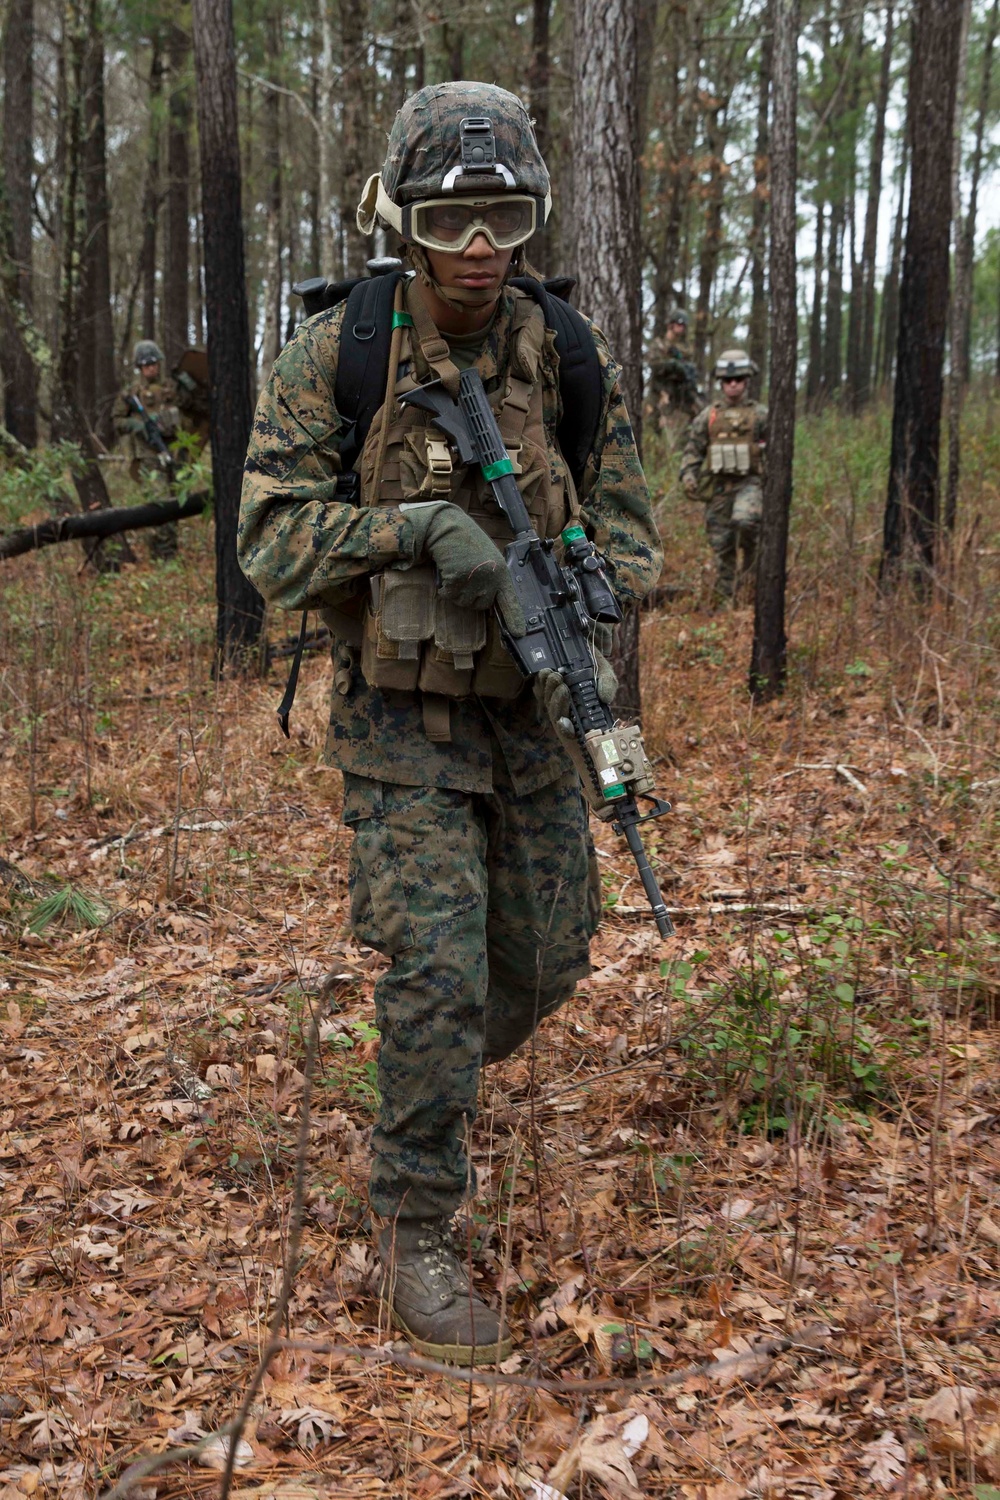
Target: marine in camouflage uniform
[723,465]
[673,380]
[471,866]
[158,395]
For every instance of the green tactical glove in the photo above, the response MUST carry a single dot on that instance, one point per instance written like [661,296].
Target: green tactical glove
[470,568]
[552,693]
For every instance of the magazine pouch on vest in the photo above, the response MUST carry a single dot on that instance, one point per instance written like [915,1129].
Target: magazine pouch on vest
[732,448]
[412,637]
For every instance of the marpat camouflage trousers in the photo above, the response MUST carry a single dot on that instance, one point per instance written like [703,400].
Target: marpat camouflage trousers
[486,906]
[733,528]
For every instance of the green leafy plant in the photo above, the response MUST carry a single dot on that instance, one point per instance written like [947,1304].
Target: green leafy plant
[40,483]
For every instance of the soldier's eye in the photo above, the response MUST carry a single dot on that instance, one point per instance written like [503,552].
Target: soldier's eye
[448,220]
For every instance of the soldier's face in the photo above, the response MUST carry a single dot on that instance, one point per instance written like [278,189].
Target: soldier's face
[478,267]
[676,331]
[734,390]
[150,372]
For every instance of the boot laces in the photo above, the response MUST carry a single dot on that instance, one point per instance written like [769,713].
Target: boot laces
[440,1259]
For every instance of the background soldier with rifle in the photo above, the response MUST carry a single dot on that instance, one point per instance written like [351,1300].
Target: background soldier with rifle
[673,382]
[472,867]
[148,418]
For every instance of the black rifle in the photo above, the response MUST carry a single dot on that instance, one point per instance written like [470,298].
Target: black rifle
[152,434]
[562,604]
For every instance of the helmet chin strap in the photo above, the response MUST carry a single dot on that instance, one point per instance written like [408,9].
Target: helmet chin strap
[458,297]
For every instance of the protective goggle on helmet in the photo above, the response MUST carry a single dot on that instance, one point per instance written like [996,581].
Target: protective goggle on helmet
[452,223]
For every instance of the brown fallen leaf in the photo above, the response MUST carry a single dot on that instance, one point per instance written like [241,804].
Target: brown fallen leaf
[603,1452]
[885,1460]
[952,1405]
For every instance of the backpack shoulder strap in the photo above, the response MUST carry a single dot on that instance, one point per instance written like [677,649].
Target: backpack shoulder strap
[363,359]
[579,369]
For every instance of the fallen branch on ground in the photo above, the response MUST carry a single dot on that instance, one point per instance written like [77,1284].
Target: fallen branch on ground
[99,523]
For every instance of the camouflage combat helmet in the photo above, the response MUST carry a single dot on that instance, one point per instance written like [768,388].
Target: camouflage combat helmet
[431,151]
[734,364]
[461,154]
[677,315]
[147,353]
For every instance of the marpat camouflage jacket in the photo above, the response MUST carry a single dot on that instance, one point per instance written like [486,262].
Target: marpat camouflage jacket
[303,548]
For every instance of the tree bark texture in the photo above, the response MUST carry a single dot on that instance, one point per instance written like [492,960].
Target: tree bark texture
[869,244]
[833,331]
[969,227]
[239,606]
[956,308]
[606,216]
[176,257]
[151,194]
[272,236]
[68,422]
[911,511]
[20,381]
[757,337]
[711,238]
[885,363]
[538,98]
[769,653]
[355,103]
[329,262]
[98,374]
[814,368]
[97,524]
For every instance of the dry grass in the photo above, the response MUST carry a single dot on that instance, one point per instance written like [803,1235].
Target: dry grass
[783,1120]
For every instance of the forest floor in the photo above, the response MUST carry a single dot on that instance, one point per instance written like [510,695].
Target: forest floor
[748,1180]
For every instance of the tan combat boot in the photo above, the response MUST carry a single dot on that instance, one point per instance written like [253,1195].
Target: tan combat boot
[427,1293]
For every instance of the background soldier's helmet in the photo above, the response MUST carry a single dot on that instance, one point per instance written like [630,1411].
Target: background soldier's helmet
[677,315]
[734,364]
[429,151]
[147,353]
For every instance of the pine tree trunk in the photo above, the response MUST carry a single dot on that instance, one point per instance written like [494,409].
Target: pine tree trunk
[68,422]
[606,218]
[833,333]
[870,242]
[354,94]
[329,262]
[538,96]
[272,233]
[98,376]
[239,606]
[969,228]
[176,259]
[757,337]
[20,380]
[151,195]
[890,287]
[711,238]
[854,304]
[956,311]
[814,369]
[768,657]
[911,513]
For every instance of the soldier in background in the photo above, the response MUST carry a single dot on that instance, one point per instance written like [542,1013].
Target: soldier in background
[673,378]
[723,465]
[146,435]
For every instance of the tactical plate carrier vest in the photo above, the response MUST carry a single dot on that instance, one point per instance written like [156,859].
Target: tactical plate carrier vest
[732,447]
[410,637]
